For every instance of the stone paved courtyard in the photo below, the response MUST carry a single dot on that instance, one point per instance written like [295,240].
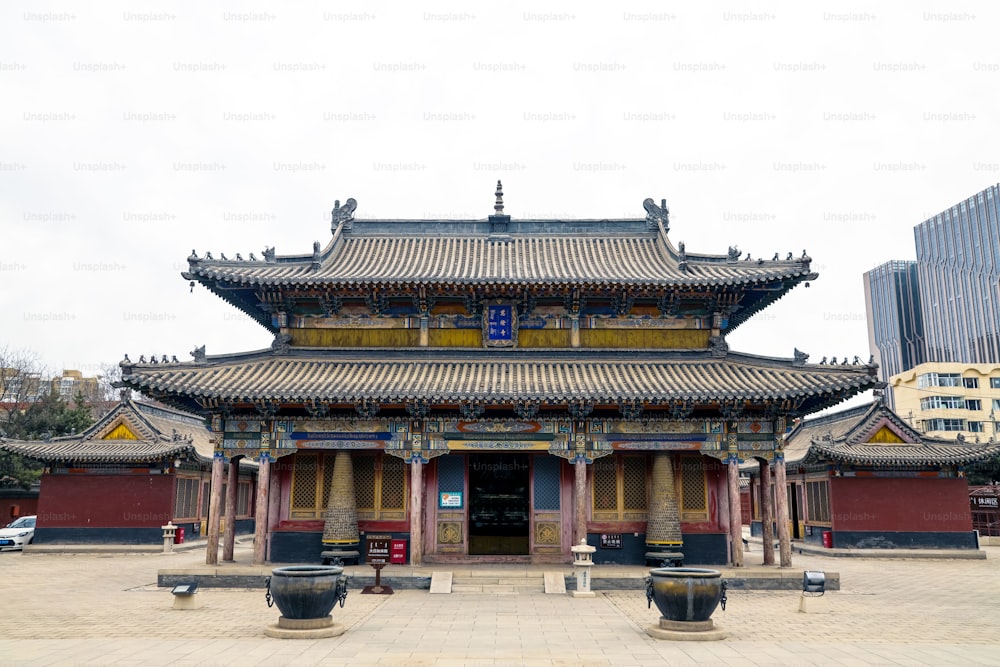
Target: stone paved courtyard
[105,609]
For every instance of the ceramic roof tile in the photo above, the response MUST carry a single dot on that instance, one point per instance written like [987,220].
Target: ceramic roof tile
[448,376]
[843,437]
[635,259]
[164,433]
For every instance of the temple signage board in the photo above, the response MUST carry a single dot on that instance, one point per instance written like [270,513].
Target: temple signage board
[378,554]
[611,540]
[378,549]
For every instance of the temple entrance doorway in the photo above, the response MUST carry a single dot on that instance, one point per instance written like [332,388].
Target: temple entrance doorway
[499,504]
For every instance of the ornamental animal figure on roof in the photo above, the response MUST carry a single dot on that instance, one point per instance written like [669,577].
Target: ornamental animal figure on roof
[657,214]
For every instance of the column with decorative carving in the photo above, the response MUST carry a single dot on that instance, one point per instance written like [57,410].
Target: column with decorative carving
[663,523]
[340,520]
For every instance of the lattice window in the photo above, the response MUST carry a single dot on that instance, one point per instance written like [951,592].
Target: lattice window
[393,483]
[819,501]
[547,482]
[634,483]
[186,498]
[304,479]
[694,491]
[327,478]
[364,482]
[243,499]
[380,487]
[606,485]
[451,473]
[619,489]
[205,499]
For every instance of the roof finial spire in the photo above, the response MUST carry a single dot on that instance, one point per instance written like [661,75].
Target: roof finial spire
[498,207]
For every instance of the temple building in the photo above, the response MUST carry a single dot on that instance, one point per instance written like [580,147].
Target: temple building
[864,478]
[500,389]
[135,469]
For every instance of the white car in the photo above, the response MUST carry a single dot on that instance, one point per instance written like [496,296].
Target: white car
[18,533]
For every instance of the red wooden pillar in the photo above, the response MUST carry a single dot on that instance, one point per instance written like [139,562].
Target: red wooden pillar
[781,500]
[767,512]
[261,510]
[735,515]
[214,502]
[232,486]
[580,501]
[416,511]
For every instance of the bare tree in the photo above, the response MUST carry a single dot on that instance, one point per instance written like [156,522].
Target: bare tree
[21,382]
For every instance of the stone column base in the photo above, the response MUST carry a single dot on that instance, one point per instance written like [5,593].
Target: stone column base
[309,628]
[685,631]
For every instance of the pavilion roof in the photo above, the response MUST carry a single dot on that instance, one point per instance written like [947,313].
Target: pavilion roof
[163,434]
[550,377]
[845,437]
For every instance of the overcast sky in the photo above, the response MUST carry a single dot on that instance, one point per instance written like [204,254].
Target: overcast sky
[135,132]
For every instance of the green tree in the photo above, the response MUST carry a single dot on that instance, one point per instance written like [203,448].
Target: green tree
[48,417]
[984,472]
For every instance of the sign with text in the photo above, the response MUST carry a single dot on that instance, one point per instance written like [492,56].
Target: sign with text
[450,499]
[378,549]
[611,540]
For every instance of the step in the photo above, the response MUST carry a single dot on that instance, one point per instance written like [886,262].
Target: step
[508,582]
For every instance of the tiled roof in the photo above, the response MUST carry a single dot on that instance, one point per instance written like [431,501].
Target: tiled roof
[928,452]
[550,376]
[164,434]
[843,437]
[641,258]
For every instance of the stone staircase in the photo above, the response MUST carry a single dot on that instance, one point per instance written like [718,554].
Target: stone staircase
[498,582]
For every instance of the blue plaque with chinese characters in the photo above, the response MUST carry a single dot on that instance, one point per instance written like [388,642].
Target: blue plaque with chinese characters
[500,325]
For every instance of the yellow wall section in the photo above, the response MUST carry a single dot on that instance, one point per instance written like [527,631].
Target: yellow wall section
[884,434]
[644,338]
[121,432]
[454,338]
[543,338]
[355,337]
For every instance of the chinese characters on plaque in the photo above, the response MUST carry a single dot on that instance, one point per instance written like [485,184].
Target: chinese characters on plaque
[500,325]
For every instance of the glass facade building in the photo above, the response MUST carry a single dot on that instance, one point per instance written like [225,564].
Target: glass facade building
[958,265]
[895,324]
[945,306]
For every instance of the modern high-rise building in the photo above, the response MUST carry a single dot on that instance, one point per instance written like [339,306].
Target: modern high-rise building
[945,306]
[958,267]
[895,326]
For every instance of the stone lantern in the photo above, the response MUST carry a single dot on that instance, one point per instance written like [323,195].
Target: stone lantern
[583,560]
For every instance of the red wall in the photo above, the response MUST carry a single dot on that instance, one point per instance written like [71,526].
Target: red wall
[900,504]
[12,508]
[105,501]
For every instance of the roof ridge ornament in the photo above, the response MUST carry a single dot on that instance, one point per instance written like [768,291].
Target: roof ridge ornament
[657,215]
[498,206]
[499,220]
[343,215]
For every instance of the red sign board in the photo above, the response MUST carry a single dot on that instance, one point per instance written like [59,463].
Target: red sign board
[398,552]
